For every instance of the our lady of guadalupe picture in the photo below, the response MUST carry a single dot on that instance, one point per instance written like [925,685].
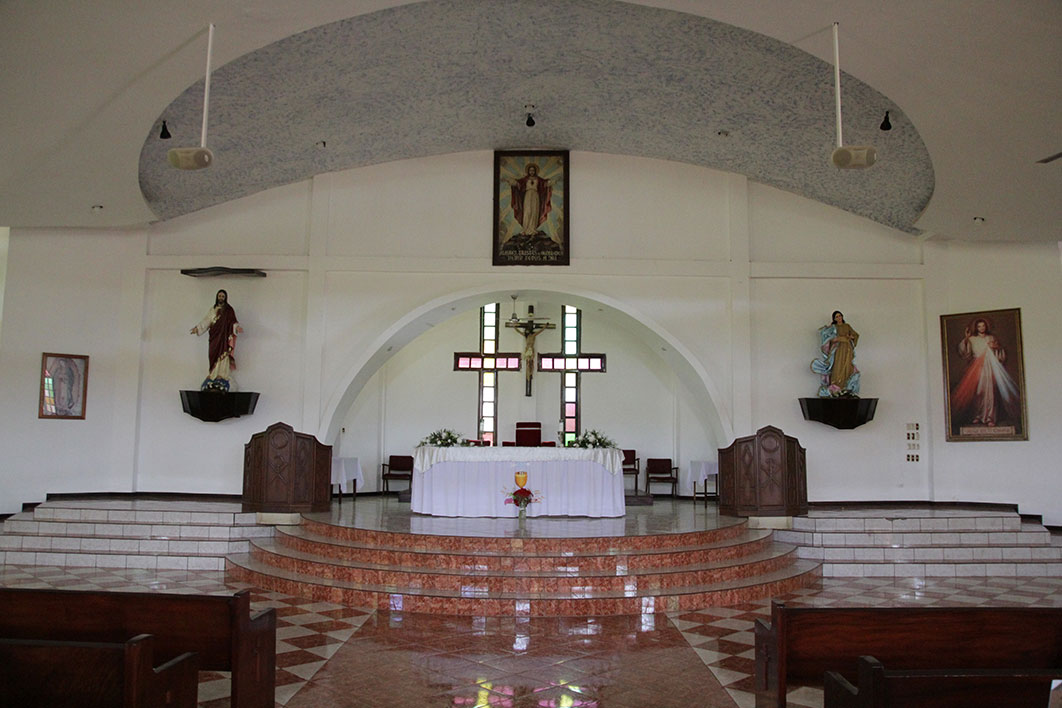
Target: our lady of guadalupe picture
[531,207]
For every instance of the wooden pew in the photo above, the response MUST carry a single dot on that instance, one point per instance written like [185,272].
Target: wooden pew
[49,674]
[219,628]
[880,687]
[802,643]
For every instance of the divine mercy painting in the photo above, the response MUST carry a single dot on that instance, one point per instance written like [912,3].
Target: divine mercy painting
[984,379]
[531,207]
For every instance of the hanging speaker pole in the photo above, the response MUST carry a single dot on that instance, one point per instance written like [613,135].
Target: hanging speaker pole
[196,158]
[837,83]
[206,81]
[851,156]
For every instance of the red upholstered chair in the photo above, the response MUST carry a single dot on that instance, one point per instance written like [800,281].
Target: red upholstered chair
[529,434]
[397,467]
[508,443]
[631,466]
[549,443]
[659,470]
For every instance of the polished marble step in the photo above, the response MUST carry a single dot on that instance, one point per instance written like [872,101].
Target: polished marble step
[554,566]
[472,601]
[925,543]
[504,536]
[618,557]
[129,533]
[574,579]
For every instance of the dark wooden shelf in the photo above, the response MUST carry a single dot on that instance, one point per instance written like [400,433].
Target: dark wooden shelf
[841,413]
[214,406]
[214,271]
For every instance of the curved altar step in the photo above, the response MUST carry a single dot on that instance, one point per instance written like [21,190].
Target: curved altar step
[523,576]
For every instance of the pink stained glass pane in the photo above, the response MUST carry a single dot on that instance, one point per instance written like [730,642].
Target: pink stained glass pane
[569,410]
[569,425]
[514,363]
[477,363]
[595,363]
[503,364]
[547,363]
[584,364]
[463,362]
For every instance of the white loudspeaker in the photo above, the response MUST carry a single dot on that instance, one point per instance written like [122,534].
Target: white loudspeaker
[190,158]
[854,157]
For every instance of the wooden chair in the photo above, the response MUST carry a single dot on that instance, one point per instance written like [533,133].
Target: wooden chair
[659,470]
[631,466]
[398,467]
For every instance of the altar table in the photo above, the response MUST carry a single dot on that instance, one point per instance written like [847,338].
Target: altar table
[476,481]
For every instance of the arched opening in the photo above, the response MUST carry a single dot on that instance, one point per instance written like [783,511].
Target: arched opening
[698,388]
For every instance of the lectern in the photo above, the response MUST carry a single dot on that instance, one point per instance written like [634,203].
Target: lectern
[763,475]
[286,472]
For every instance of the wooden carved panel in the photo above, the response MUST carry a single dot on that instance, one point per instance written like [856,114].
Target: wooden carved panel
[763,475]
[286,471]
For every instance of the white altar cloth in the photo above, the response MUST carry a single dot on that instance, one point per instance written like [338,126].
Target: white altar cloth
[471,481]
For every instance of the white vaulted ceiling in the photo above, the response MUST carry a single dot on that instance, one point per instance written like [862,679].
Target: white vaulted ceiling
[973,90]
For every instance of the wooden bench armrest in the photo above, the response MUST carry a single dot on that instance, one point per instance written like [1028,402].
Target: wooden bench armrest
[768,684]
[254,676]
[176,682]
[838,692]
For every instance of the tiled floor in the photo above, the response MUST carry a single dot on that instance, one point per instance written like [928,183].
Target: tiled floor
[330,656]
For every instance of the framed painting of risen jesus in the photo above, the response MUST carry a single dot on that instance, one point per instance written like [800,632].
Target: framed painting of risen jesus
[531,207]
[984,377]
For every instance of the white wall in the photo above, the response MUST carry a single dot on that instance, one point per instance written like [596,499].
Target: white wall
[4,233]
[989,277]
[711,291]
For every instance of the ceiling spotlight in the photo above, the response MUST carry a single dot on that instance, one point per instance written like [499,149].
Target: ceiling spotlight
[530,121]
[885,124]
[164,134]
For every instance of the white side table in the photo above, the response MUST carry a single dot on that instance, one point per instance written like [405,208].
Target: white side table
[344,471]
[701,471]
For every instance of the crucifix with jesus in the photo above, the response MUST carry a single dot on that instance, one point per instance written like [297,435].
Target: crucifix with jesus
[530,329]
[571,362]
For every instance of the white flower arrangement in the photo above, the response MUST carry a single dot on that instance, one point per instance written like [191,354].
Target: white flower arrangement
[592,438]
[444,437]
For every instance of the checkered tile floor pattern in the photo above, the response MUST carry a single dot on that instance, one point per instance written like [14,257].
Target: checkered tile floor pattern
[330,656]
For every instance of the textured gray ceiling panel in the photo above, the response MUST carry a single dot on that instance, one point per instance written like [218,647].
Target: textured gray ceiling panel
[452,76]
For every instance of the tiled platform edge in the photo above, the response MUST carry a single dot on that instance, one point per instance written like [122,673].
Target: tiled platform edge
[959,543]
[117,534]
[533,577]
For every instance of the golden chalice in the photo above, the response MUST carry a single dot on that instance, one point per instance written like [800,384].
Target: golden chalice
[521,478]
